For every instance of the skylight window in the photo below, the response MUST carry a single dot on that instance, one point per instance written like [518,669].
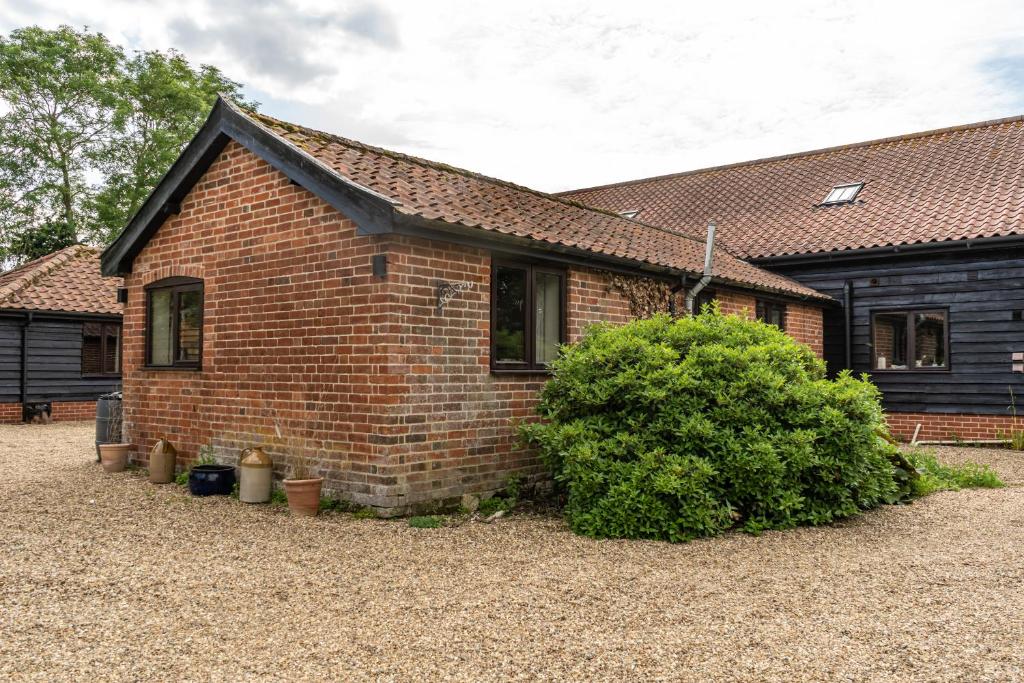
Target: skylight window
[843,194]
[632,213]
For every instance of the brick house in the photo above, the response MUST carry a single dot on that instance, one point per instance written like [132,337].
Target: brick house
[384,317]
[919,237]
[60,336]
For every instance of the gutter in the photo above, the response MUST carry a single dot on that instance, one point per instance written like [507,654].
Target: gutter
[709,255]
[883,252]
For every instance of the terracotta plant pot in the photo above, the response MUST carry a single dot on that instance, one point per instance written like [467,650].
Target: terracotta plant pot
[114,456]
[304,496]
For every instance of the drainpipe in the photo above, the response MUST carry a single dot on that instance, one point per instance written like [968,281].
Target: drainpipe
[848,320]
[24,365]
[709,255]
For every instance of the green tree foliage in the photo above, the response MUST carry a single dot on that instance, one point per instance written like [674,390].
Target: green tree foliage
[86,132]
[676,429]
[59,88]
[162,102]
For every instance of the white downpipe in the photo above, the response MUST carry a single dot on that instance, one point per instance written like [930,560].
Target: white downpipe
[709,257]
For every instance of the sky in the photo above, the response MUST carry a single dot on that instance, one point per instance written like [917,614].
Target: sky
[562,95]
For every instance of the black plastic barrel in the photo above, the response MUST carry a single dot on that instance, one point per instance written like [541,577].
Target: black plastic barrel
[108,420]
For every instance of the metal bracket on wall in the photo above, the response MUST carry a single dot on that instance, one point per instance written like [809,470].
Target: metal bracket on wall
[446,291]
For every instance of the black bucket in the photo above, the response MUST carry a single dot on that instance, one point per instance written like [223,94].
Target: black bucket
[211,480]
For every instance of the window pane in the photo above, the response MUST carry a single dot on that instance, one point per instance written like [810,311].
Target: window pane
[510,315]
[112,349]
[190,310]
[930,340]
[160,327]
[92,342]
[890,331]
[548,325]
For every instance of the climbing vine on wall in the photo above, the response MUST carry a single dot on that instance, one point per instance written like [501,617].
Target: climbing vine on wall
[646,297]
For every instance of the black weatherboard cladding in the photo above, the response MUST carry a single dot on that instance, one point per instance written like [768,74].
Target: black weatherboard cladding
[980,289]
[54,362]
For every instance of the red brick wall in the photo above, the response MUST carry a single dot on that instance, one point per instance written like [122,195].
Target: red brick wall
[308,354]
[296,332]
[452,430]
[68,411]
[10,413]
[62,411]
[946,426]
[804,323]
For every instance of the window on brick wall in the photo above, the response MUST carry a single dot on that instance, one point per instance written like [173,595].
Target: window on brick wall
[101,349]
[772,313]
[527,315]
[174,323]
[910,340]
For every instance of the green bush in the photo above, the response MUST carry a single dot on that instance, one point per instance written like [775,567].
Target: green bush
[676,429]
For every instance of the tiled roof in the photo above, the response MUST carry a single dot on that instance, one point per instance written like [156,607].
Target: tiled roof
[951,184]
[434,191]
[68,280]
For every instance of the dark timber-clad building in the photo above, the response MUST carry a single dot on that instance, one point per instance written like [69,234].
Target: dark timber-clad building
[919,237]
[60,337]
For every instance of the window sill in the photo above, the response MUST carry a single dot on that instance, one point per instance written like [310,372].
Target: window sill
[890,371]
[521,371]
[172,368]
[94,376]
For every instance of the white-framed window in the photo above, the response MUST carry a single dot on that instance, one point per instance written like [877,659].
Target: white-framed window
[843,194]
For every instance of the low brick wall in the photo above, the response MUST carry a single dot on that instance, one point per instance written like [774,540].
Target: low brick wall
[948,426]
[69,411]
[10,413]
[62,411]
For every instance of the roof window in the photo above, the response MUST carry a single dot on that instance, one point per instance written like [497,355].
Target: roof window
[632,213]
[843,194]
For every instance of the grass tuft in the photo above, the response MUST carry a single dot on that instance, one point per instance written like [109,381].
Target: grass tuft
[938,477]
[425,522]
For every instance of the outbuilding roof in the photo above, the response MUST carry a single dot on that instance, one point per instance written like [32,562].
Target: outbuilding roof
[384,191]
[953,184]
[67,281]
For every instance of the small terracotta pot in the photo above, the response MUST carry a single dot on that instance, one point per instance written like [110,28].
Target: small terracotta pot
[303,496]
[114,456]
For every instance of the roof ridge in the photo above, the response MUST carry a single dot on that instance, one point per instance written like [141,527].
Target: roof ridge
[41,267]
[807,153]
[439,166]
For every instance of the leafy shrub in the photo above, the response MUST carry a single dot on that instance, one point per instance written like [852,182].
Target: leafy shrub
[676,429]
[938,477]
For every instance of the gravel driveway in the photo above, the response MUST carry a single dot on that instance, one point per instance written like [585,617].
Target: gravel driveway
[105,577]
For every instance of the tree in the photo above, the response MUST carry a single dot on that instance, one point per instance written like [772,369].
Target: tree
[87,132]
[60,88]
[162,102]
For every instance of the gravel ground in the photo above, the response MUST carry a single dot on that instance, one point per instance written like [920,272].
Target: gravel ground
[105,577]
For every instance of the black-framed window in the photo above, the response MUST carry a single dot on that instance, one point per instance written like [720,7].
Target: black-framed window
[910,340]
[101,349]
[772,312]
[527,315]
[174,323]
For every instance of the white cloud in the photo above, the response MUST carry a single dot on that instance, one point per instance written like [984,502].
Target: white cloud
[560,95]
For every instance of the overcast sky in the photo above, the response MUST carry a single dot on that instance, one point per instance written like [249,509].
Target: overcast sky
[563,95]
